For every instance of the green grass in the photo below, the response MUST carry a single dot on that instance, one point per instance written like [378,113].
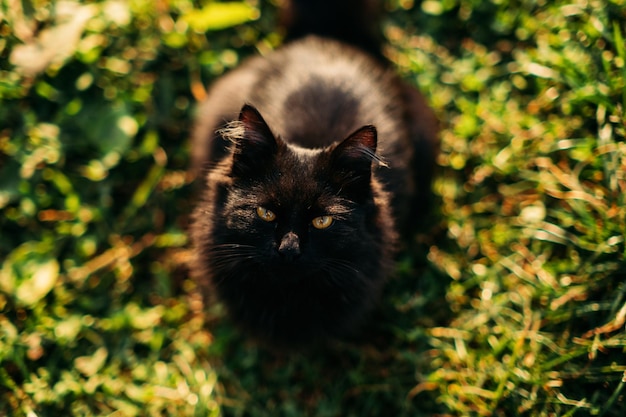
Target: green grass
[512,303]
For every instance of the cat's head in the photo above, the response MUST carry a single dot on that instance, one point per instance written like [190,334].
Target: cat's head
[299,236]
[291,200]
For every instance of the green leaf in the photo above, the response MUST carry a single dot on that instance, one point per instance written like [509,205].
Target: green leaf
[90,365]
[216,16]
[110,128]
[9,183]
[29,273]
[621,51]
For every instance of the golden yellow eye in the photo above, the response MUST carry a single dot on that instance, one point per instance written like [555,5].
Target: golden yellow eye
[265,214]
[322,222]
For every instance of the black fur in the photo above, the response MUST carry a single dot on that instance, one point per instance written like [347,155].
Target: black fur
[317,128]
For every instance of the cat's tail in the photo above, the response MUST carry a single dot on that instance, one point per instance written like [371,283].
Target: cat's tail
[355,22]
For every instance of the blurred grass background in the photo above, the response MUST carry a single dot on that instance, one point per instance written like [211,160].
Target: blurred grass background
[513,303]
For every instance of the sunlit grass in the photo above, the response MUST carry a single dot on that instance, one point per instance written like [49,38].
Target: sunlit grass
[513,303]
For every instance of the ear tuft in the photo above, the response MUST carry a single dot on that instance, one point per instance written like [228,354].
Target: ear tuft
[255,127]
[256,147]
[357,151]
[351,161]
[361,143]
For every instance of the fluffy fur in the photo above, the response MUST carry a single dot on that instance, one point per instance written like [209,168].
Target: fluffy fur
[317,129]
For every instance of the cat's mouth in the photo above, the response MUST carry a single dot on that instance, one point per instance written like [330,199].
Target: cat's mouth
[291,268]
[281,263]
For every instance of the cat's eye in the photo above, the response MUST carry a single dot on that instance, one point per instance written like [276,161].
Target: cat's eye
[265,214]
[322,222]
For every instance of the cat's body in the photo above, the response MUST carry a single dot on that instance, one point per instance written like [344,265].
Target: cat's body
[299,220]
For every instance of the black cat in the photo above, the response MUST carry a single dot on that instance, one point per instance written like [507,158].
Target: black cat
[317,157]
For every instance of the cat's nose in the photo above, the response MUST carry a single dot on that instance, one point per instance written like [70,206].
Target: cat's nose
[289,247]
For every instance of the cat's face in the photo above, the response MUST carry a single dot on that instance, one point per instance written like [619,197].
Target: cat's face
[291,220]
[295,246]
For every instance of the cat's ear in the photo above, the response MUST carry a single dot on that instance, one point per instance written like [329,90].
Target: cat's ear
[351,161]
[256,146]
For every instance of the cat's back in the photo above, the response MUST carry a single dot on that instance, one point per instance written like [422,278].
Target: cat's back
[316,91]
[312,92]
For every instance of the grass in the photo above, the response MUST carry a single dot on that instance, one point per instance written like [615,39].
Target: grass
[513,303]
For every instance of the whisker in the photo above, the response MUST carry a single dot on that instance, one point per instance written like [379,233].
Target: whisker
[227,260]
[340,273]
[340,264]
